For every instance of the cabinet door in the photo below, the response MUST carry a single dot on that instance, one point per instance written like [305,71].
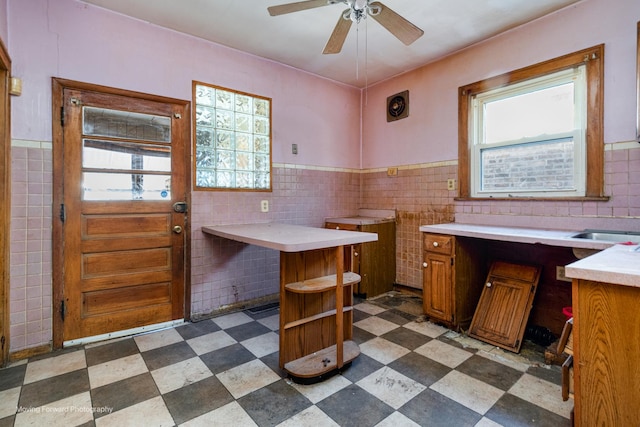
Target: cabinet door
[505,303]
[438,279]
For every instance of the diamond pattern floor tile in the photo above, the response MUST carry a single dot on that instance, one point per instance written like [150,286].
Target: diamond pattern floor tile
[225,371]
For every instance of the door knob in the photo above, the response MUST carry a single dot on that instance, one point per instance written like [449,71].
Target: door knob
[488,284]
[355,254]
[177,229]
[425,265]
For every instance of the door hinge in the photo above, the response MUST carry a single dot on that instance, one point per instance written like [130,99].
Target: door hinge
[63,310]
[63,214]
[451,261]
[533,288]
[2,341]
[517,343]
[62,116]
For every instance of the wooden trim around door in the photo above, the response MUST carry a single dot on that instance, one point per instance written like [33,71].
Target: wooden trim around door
[5,207]
[58,86]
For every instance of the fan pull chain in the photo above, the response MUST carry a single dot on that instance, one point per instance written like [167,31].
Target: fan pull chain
[366,62]
[357,51]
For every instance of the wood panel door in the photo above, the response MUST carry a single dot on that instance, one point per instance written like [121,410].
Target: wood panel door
[121,216]
[504,306]
[437,292]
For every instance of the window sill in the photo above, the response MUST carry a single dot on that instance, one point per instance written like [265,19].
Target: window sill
[533,199]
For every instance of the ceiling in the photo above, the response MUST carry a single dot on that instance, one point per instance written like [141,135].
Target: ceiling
[370,53]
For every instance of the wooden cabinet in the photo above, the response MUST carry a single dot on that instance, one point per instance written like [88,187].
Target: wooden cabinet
[375,262]
[316,313]
[453,270]
[606,353]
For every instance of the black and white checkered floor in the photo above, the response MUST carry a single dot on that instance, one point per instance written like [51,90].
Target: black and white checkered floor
[224,372]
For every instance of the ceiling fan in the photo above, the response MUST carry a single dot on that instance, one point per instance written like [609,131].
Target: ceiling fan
[404,30]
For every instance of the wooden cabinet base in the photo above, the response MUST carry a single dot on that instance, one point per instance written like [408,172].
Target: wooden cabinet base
[321,364]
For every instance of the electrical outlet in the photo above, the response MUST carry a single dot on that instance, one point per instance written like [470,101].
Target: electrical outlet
[264,206]
[294,148]
[451,184]
[560,274]
[392,171]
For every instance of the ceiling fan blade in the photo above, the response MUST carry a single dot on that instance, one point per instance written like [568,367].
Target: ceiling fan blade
[296,7]
[404,30]
[338,36]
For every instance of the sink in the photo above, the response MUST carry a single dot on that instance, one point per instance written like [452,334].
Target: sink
[608,236]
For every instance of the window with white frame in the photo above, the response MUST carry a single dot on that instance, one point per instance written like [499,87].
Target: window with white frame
[232,141]
[528,138]
[535,132]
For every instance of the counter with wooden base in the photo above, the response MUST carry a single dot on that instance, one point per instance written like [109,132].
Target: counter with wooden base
[316,295]
[606,327]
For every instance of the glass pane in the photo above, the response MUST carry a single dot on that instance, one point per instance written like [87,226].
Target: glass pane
[125,124]
[225,160]
[244,180]
[204,136]
[244,104]
[204,159]
[244,161]
[261,144]
[224,140]
[547,111]
[205,178]
[541,166]
[262,180]
[262,126]
[125,155]
[204,95]
[261,107]
[224,179]
[204,116]
[243,142]
[122,186]
[224,119]
[243,123]
[224,99]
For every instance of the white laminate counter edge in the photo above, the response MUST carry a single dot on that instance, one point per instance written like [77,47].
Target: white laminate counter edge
[515,234]
[287,237]
[619,265]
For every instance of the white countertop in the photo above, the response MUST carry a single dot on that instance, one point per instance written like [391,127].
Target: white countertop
[359,220]
[287,237]
[516,234]
[620,265]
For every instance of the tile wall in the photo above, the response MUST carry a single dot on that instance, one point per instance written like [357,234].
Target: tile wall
[30,250]
[225,272]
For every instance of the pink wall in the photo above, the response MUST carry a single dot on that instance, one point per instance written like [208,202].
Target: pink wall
[430,134]
[72,40]
[4,27]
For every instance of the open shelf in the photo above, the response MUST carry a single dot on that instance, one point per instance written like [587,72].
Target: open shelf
[315,317]
[324,283]
[322,361]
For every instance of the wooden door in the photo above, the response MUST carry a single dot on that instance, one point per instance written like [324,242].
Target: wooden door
[5,193]
[437,296]
[504,306]
[122,211]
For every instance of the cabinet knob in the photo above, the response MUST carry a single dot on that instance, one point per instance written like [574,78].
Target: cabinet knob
[488,284]
[425,265]
[435,244]
[355,254]
[337,227]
